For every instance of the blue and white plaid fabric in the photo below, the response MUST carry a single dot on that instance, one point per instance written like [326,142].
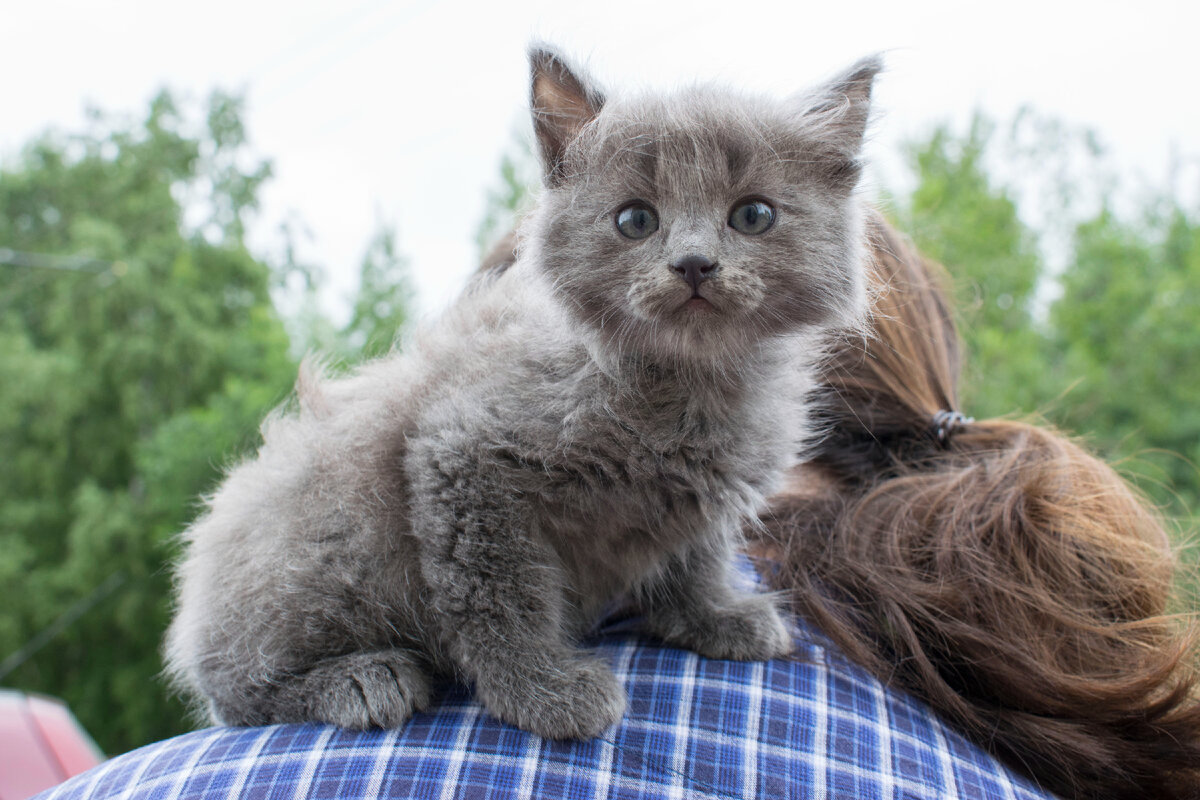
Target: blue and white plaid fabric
[816,727]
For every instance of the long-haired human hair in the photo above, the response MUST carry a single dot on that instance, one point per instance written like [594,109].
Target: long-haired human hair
[994,569]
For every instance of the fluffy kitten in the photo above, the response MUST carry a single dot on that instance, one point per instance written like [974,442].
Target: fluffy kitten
[597,422]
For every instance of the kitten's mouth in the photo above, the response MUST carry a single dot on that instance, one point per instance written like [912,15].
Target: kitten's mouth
[698,303]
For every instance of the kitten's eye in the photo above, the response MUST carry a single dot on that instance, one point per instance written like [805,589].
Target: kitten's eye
[637,221]
[751,218]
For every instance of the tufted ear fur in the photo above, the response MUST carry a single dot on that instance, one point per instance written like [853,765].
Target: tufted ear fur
[835,115]
[562,102]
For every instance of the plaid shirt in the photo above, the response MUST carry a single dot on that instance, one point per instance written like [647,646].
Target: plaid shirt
[815,727]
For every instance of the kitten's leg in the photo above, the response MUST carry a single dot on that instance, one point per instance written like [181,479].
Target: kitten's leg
[502,598]
[498,594]
[694,605]
[378,689]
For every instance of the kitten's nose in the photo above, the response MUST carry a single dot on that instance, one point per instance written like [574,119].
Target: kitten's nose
[694,269]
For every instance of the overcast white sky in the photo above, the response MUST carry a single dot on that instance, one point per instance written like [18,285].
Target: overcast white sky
[401,110]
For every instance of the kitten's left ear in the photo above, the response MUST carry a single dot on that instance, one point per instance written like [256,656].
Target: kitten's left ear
[562,102]
[836,114]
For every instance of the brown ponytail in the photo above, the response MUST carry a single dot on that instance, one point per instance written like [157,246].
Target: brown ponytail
[998,571]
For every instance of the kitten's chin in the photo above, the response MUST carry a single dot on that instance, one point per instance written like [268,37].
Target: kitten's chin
[699,329]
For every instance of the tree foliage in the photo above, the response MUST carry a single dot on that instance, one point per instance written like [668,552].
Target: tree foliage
[513,195]
[1128,326]
[139,350]
[960,217]
[1115,356]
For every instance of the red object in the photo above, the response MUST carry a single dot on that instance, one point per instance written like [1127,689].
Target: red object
[41,744]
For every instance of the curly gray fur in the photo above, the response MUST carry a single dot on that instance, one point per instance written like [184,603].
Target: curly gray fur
[575,430]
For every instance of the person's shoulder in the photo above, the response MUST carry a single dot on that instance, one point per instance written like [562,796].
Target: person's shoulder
[811,726]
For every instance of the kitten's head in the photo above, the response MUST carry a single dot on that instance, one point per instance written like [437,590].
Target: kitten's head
[697,223]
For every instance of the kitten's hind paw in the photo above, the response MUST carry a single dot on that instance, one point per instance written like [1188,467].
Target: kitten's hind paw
[574,700]
[378,689]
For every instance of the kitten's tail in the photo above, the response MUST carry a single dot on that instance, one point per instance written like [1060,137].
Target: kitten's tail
[993,569]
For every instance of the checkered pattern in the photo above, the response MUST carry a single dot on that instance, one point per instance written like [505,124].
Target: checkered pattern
[816,727]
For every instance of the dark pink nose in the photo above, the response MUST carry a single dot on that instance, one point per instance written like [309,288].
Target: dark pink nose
[694,269]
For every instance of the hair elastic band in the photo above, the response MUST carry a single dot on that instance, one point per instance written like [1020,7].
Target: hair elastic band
[944,423]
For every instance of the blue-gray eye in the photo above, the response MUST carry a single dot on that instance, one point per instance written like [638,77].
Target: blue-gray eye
[752,217]
[637,221]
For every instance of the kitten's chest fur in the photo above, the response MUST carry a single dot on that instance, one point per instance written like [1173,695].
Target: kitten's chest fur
[628,462]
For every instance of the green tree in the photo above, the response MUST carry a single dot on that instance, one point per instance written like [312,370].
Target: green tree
[959,216]
[514,194]
[1127,325]
[139,350]
[380,308]
[137,355]
[1117,357]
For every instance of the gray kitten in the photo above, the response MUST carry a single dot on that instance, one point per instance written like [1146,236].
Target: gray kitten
[597,422]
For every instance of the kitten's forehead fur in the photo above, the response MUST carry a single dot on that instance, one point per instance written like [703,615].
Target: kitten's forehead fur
[695,144]
[706,139]
[693,155]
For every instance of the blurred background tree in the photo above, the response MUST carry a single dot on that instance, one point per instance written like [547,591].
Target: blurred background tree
[141,343]
[1106,344]
[960,217]
[139,349]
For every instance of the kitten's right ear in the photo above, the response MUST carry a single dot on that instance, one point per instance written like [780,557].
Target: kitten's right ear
[562,102]
[836,114]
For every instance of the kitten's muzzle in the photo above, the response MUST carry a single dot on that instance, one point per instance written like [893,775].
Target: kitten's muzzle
[694,270]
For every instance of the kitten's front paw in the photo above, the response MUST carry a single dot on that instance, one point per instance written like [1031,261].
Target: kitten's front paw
[573,700]
[366,690]
[751,630]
